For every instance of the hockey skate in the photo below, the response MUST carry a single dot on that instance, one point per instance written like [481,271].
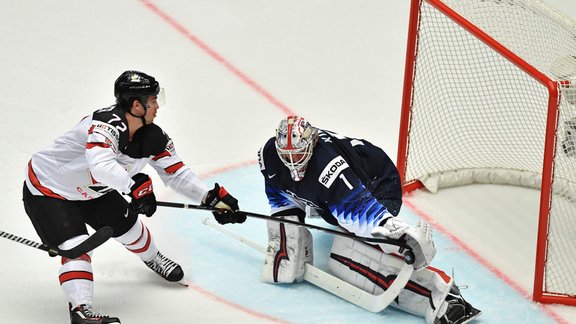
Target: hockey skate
[167,269]
[458,310]
[83,314]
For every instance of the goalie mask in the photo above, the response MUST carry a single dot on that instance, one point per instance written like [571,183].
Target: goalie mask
[295,140]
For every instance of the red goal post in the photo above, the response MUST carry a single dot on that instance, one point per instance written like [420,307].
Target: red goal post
[490,97]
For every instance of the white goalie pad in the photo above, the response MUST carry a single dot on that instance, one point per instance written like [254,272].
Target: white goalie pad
[332,284]
[289,249]
[368,268]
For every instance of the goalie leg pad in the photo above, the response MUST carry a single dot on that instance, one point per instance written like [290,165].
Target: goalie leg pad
[368,268]
[289,249]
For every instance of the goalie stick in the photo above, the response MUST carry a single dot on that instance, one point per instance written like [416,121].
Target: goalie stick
[408,254]
[336,286]
[92,242]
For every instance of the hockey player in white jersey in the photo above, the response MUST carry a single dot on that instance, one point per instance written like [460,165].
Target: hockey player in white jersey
[352,184]
[81,179]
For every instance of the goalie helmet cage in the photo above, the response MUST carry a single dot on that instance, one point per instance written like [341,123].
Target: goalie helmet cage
[489,97]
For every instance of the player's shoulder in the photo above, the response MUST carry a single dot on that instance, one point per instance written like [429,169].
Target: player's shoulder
[148,140]
[110,122]
[113,115]
[326,148]
[153,131]
[347,145]
[270,145]
[267,156]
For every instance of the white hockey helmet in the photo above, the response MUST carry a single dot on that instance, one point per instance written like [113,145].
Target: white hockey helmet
[295,140]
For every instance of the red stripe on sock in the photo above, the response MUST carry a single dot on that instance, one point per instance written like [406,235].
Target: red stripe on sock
[138,239]
[75,275]
[146,246]
[90,145]
[83,257]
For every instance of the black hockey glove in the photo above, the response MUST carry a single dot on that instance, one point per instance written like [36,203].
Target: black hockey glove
[142,194]
[228,210]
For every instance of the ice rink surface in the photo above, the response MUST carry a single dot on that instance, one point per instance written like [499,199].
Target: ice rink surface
[232,70]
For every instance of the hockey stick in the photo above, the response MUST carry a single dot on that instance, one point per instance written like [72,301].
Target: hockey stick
[92,242]
[408,255]
[336,286]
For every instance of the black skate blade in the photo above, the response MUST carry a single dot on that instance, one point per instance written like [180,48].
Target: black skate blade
[183,282]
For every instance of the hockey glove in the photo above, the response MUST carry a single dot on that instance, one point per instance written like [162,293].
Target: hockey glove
[418,238]
[227,206]
[142,194]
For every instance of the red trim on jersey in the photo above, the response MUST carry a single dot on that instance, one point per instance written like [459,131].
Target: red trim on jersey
[161,155]
[174,167]
[146,246]
[75,275]
[94,181]
[36,183]
[90,145]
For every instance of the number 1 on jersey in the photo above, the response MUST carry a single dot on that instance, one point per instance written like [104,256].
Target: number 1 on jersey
[341,176]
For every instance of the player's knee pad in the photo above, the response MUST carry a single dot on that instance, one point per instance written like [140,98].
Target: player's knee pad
[73,242]
[289,249]
[368,268]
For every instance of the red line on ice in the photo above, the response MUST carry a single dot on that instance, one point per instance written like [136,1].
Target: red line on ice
[219,58]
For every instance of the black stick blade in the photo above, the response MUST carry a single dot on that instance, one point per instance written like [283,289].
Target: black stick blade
[93,241]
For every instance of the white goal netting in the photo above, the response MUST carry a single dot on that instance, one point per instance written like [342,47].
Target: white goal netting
[478,115]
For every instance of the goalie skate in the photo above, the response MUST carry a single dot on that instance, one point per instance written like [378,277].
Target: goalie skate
[458,310]
[83,314]
[167,269]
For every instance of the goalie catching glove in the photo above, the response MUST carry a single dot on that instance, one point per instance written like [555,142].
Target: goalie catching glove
[142,194]
[418,238]
[227,210]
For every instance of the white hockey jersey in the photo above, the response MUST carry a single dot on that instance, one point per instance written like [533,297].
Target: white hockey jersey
[96,156]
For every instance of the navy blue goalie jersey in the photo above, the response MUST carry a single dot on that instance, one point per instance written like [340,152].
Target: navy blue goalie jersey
[348,182]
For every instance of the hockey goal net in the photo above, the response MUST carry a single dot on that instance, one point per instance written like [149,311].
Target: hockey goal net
[490,97]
